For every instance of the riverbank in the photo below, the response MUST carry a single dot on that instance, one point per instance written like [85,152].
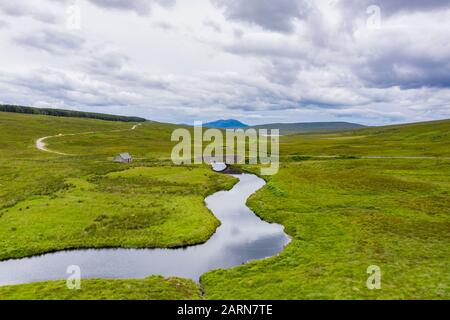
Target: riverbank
[345,215]
[142,207]
[241,237]
[151,288]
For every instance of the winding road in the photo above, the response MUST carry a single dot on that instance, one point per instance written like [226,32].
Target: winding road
[41,145]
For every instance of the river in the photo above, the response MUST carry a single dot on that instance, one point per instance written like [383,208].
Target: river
[241,237]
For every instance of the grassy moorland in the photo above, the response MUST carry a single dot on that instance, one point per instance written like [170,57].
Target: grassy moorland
[346,214]
[26,171]
[51,202]
[427,139]
[140,207]
[343,214]
[152,288]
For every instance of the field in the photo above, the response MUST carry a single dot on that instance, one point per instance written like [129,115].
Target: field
[344,216]
[152,288]
[343,213]
[428,139]
[51,202]
[141,207]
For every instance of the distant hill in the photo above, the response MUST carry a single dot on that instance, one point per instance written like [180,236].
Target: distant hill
[294,128]
[226,124]
[423,139]
[287,128]
[67,113]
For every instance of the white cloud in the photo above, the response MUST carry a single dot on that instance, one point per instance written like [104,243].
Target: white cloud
[284,61]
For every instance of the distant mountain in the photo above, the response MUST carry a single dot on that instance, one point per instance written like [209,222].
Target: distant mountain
[226,124]
[294,128]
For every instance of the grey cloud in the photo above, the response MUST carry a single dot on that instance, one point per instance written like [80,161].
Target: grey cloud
[141,7]
[276,47]
[407,57]
[238,33]
[114,67]
[253,95]
[51,41]
[413,5]
[55,86]
[388,58]
[107,63]
[24,9]
[212,25]
[388,71]
[134,78]
[279,15]
[272,15]
[281,71]
[391,7]
[163,25]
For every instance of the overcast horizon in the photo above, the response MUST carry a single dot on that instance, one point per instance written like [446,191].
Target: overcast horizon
[257,61]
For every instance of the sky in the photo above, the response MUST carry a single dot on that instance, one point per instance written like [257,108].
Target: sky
[373,62]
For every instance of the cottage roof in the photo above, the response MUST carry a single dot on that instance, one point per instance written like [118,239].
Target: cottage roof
[125,156]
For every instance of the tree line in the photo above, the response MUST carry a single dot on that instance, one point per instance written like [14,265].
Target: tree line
[67,113]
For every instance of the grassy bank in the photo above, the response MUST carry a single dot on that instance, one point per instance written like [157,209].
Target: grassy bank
[346,215]
[152,288]
[140,207]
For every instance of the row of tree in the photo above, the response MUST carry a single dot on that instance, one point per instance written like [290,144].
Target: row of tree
[67,113]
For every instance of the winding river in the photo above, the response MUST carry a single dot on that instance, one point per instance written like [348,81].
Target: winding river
[242,237]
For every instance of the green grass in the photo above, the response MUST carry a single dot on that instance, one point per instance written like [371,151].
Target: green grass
[152,288]
[343,216]
[51,202]
[421,139]
[343,213]
[26,171]
[140,207]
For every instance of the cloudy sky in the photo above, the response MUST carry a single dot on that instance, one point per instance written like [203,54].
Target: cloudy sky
[259,61]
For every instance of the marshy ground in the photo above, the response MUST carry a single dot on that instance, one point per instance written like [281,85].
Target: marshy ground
[343,214]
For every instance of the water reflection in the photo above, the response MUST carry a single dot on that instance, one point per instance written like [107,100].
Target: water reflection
[241,237]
